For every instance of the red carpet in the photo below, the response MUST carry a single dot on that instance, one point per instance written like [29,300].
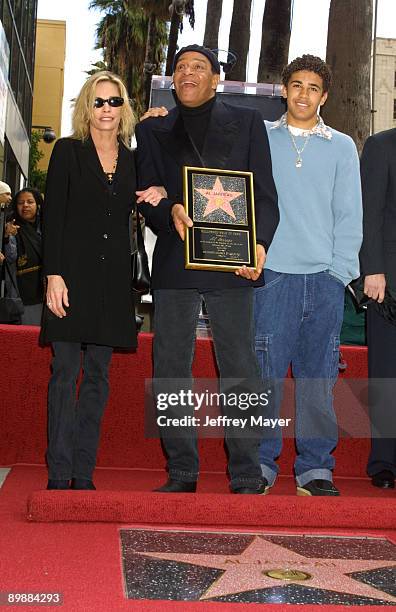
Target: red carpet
[114,501]
[23,440]
[23,413]
[82,560]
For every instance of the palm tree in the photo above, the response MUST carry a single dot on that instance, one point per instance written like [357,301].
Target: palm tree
[213,17]
[96,67]
[178,9]
[239,39]
[151,63]
[122,34]
[349,55]
[275,40]
[157,12]
[176,21]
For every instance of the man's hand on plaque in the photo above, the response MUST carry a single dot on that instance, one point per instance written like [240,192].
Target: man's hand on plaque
[156,111]
[181,220]
[254,273]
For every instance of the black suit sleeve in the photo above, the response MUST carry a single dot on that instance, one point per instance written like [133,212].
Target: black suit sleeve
[374,173]
[265,195]
[55,206]
[158,217]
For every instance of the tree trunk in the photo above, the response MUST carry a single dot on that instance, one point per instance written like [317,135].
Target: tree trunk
[239,39]
[172,44]
[348,108]
[275,39]
[213,17]
[150,66]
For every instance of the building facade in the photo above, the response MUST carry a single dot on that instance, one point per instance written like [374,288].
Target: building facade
[48,81]
[17,52]
[385,84]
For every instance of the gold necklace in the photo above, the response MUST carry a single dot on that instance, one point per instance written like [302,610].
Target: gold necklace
[110,175]
[300,151]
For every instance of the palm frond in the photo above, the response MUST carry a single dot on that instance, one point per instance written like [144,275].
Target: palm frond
[122,33]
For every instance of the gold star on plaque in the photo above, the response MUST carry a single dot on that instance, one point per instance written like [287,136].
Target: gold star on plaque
[218,197]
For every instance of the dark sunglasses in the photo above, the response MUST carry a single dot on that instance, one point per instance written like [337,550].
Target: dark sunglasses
[113,101]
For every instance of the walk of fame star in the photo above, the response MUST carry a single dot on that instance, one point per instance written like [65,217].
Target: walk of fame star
[218,197]
[247,571]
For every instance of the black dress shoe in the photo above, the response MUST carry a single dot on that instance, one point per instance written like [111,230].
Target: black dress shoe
[177,486]
[318,487]
[259,489]
[384,480]
[61,485]
[82,484]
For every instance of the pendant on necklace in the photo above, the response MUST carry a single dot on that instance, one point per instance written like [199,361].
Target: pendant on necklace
[298,162]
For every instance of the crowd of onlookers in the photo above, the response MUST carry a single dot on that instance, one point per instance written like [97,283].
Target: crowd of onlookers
[22,250]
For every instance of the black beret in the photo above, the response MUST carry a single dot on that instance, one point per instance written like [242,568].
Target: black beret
[208,53]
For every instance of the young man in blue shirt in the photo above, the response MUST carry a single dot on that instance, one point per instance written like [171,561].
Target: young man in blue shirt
[313,256]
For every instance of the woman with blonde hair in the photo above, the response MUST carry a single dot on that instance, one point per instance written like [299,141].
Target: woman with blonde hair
[89,196]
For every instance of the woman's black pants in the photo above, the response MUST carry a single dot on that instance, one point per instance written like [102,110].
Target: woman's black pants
[74,422]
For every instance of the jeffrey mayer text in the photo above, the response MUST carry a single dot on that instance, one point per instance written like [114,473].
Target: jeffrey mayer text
[221,421]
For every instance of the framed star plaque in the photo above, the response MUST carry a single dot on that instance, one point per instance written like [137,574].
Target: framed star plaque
[221,206]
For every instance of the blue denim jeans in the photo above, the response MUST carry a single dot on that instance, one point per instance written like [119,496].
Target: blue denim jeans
[175,322]
[298,322]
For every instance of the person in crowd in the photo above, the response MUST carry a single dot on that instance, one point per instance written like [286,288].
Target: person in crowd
[5,194]
[5,199]
[89,310]
[205,132]
[9,269]
[313,256]
[378,266]
[23,247]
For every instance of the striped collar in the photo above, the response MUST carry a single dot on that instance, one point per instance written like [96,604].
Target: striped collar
[320,129]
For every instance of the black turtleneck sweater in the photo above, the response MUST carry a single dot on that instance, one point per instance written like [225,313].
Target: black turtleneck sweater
[196,121]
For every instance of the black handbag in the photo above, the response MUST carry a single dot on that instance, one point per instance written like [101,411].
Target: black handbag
[140,266]
[11,308]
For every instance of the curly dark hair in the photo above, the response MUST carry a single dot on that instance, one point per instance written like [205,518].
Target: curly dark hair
[312,64]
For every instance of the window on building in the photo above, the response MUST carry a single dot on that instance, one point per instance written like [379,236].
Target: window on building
[22,77]
[24,28]
[27,106]
[30,36]
[7,22]
[394,109]
[395,79]
[14,63]
[18,15]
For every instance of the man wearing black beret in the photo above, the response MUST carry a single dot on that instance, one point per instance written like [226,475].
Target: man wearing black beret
[203,131]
